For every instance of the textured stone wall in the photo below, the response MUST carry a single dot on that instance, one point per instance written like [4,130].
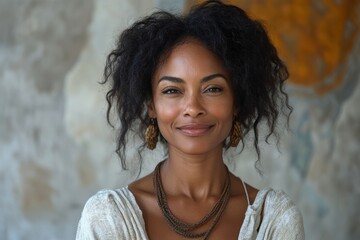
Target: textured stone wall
[39,45]
[56,148]
[319,162]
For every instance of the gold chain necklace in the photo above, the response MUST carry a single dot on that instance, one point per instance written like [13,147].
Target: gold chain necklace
[185,229]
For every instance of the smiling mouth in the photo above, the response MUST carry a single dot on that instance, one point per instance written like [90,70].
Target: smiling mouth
[195,130]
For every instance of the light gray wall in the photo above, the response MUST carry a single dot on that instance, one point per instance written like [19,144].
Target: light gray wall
[56,148]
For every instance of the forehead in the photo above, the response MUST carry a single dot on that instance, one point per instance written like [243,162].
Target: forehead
[189,57]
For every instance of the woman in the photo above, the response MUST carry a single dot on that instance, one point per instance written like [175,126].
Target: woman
[198,84]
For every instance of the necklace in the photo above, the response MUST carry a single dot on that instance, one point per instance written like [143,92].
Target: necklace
[186,229]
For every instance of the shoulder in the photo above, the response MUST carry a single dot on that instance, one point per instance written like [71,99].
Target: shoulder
[278,203]
[108,213]
[241,188]
[143,185]
[282,216]
[108,201]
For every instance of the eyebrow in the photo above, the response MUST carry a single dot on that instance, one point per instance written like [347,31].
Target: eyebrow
[180,80]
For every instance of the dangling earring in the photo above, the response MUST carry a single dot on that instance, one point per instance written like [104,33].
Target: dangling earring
[151,134]
[235,134]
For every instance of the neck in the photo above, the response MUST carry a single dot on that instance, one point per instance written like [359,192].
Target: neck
[194,176]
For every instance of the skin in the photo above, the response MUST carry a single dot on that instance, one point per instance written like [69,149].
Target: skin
[193,105]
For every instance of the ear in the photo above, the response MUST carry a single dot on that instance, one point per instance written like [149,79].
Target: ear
[151,109]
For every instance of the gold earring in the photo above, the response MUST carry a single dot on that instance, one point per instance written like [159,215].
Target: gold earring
[151,134]
[235,134]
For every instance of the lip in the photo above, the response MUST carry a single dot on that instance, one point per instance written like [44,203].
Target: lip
[195,130]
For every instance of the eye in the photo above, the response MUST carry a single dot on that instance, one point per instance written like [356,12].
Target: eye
[214,90]
[170,91]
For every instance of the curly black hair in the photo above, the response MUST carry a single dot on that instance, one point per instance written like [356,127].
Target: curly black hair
[257,74]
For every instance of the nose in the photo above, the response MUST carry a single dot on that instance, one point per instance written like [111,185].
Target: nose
[194,106]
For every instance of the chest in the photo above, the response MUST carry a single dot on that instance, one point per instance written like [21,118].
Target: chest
[228,226]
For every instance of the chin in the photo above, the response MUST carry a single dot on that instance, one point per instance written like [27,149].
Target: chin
[198,149]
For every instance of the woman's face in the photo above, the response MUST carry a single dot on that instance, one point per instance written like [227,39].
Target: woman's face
[192,99]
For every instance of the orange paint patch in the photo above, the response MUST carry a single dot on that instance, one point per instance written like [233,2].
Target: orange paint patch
[314,38]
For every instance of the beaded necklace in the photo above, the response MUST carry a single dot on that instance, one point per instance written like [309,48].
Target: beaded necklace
[186,229]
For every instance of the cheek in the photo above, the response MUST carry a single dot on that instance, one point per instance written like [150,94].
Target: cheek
[227,121]
[224,112]
[223,109]
[166,111]
[166,115]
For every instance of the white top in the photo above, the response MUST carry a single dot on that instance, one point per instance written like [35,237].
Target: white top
[114,214]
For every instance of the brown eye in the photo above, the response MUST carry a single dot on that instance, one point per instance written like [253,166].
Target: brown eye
[214,90]
[170,91]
